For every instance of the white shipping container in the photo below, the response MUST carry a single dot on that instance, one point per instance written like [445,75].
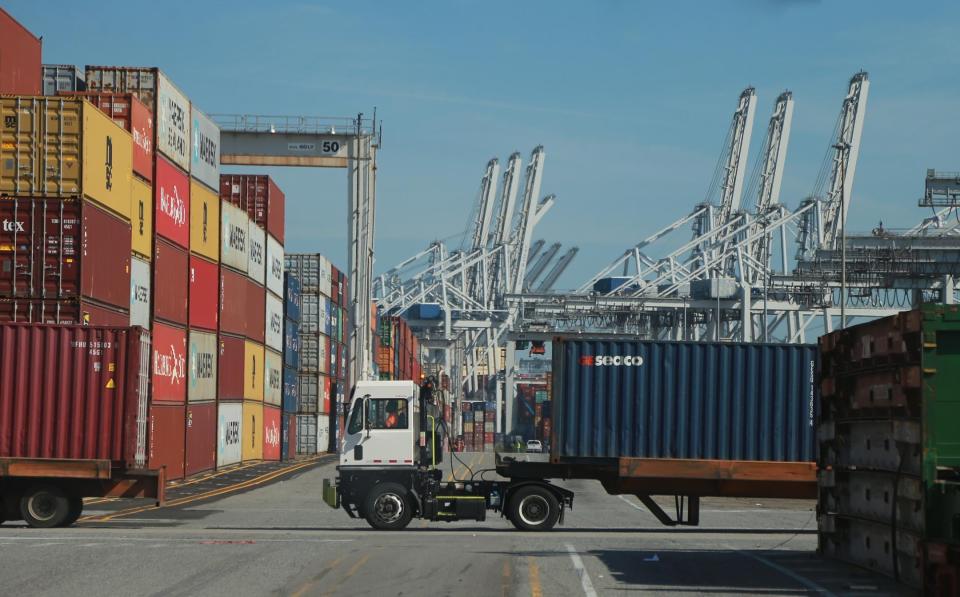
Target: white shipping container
[234,237]
[202,376]
[205,157]
[173,123]
[273,378]
[229,432]
[274,266]
[256,253]
[323,433]
[274,322]
[326,279]
[139,292]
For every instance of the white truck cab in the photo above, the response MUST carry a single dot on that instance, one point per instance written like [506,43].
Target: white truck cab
[383,427]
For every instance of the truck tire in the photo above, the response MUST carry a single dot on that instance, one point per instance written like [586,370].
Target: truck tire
[388,507]
[76,510]
[44,506]
[534,508]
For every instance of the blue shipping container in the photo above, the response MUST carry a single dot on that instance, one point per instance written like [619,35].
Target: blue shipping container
[291,391]
[291,344]
[695,400]
[292,300]
[605,285]
[427,311]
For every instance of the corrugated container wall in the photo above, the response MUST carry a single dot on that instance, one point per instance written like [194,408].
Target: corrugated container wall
[64,147]
[59,78]
[259,196]
[201,438]
[133,116]
[170,282]
[233,302]
[59,249]
[251,447]
[140,292]
[19,57]
[205,159]
[274,322]
[252,371]
[271,433]
[274,266]
[684,400]
[67,312]
[169,378]
[167,439]
[292,298]
[204,222]
[172,203]
[230,362]
[273,378]
[202,374]
[204,278]
[170,106]
[141,218]
[256,254]
[74,392]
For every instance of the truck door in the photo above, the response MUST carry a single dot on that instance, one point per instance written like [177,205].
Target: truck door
[380,432]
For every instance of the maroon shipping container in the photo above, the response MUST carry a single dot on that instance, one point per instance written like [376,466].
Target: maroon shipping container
[134,116]
[56,248]
[171,200]
[233,302]
[204,290]
[74,392]
[201,438]
[68,312]
[171,268]
[335,294]
[259,196]
[256,311]
[19,58]
[230,368]
[169,374]
[167,437]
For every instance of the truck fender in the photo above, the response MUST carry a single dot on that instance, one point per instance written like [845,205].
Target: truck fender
[564,496]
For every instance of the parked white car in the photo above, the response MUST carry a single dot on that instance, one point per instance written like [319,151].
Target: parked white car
[534,446]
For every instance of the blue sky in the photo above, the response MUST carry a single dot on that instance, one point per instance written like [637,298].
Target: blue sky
[630,99]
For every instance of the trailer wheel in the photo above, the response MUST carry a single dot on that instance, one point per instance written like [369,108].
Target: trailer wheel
[534,508]
[76,510]
[44,506]
[388,507]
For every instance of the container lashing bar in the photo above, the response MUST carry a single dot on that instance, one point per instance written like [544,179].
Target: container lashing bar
[685,504]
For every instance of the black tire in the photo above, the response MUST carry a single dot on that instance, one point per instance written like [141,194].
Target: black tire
[76,510]
[533,508]
[44,506]
[388,507]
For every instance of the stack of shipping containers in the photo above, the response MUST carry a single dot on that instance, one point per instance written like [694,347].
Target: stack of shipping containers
[257,200]
[339,359]
[292,313]
[479,426]
[398,353]
[321,350]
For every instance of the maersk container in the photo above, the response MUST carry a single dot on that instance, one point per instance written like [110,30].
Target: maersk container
[274,322]
[229,432]
[272,378]
[686,400]
[139,292]
[234,231]
[74,392]
[274,281]
[256,254]
[205,154]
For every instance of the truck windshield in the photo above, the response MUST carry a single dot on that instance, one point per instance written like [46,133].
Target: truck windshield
[387,414]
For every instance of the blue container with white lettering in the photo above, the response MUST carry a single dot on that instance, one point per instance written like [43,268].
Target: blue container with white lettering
[291,344]
[292,299]
[617,398]
[291,390]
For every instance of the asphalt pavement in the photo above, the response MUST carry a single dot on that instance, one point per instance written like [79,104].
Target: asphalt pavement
[266,531]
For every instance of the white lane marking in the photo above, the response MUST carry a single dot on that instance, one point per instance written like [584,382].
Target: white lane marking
[786,571]
[581,571]
[632,505]
[158,539]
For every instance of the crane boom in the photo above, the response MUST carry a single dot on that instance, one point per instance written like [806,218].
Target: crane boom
[736,153]
[539,265]
[551,278]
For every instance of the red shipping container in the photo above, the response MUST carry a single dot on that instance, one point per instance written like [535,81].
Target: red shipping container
[230,368]
[271,433]
[233,302]
[73,392]
[169,363]
[170,273]
[327,389]
[288,448]
[171,198]
[201,438]
[488,439]
[256,311]
[69,312]
[19,58]
[335,285]
[167,436]
[134,116]
[259,196]
[55,248]
[204,291]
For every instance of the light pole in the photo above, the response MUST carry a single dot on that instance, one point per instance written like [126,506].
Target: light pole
[844,147]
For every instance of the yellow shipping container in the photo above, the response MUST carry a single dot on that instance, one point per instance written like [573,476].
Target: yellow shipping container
[253,371]
[251,447]
[141,217]
[204,221]
[64,147]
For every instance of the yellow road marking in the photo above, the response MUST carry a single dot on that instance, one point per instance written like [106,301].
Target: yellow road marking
[505,578]
[201,496]
[194,481]
[534,571]
[312,582]
[353,570]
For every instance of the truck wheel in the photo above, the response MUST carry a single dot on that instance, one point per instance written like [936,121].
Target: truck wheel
[534,508]
[76,509]
[388,507]
[44,506]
